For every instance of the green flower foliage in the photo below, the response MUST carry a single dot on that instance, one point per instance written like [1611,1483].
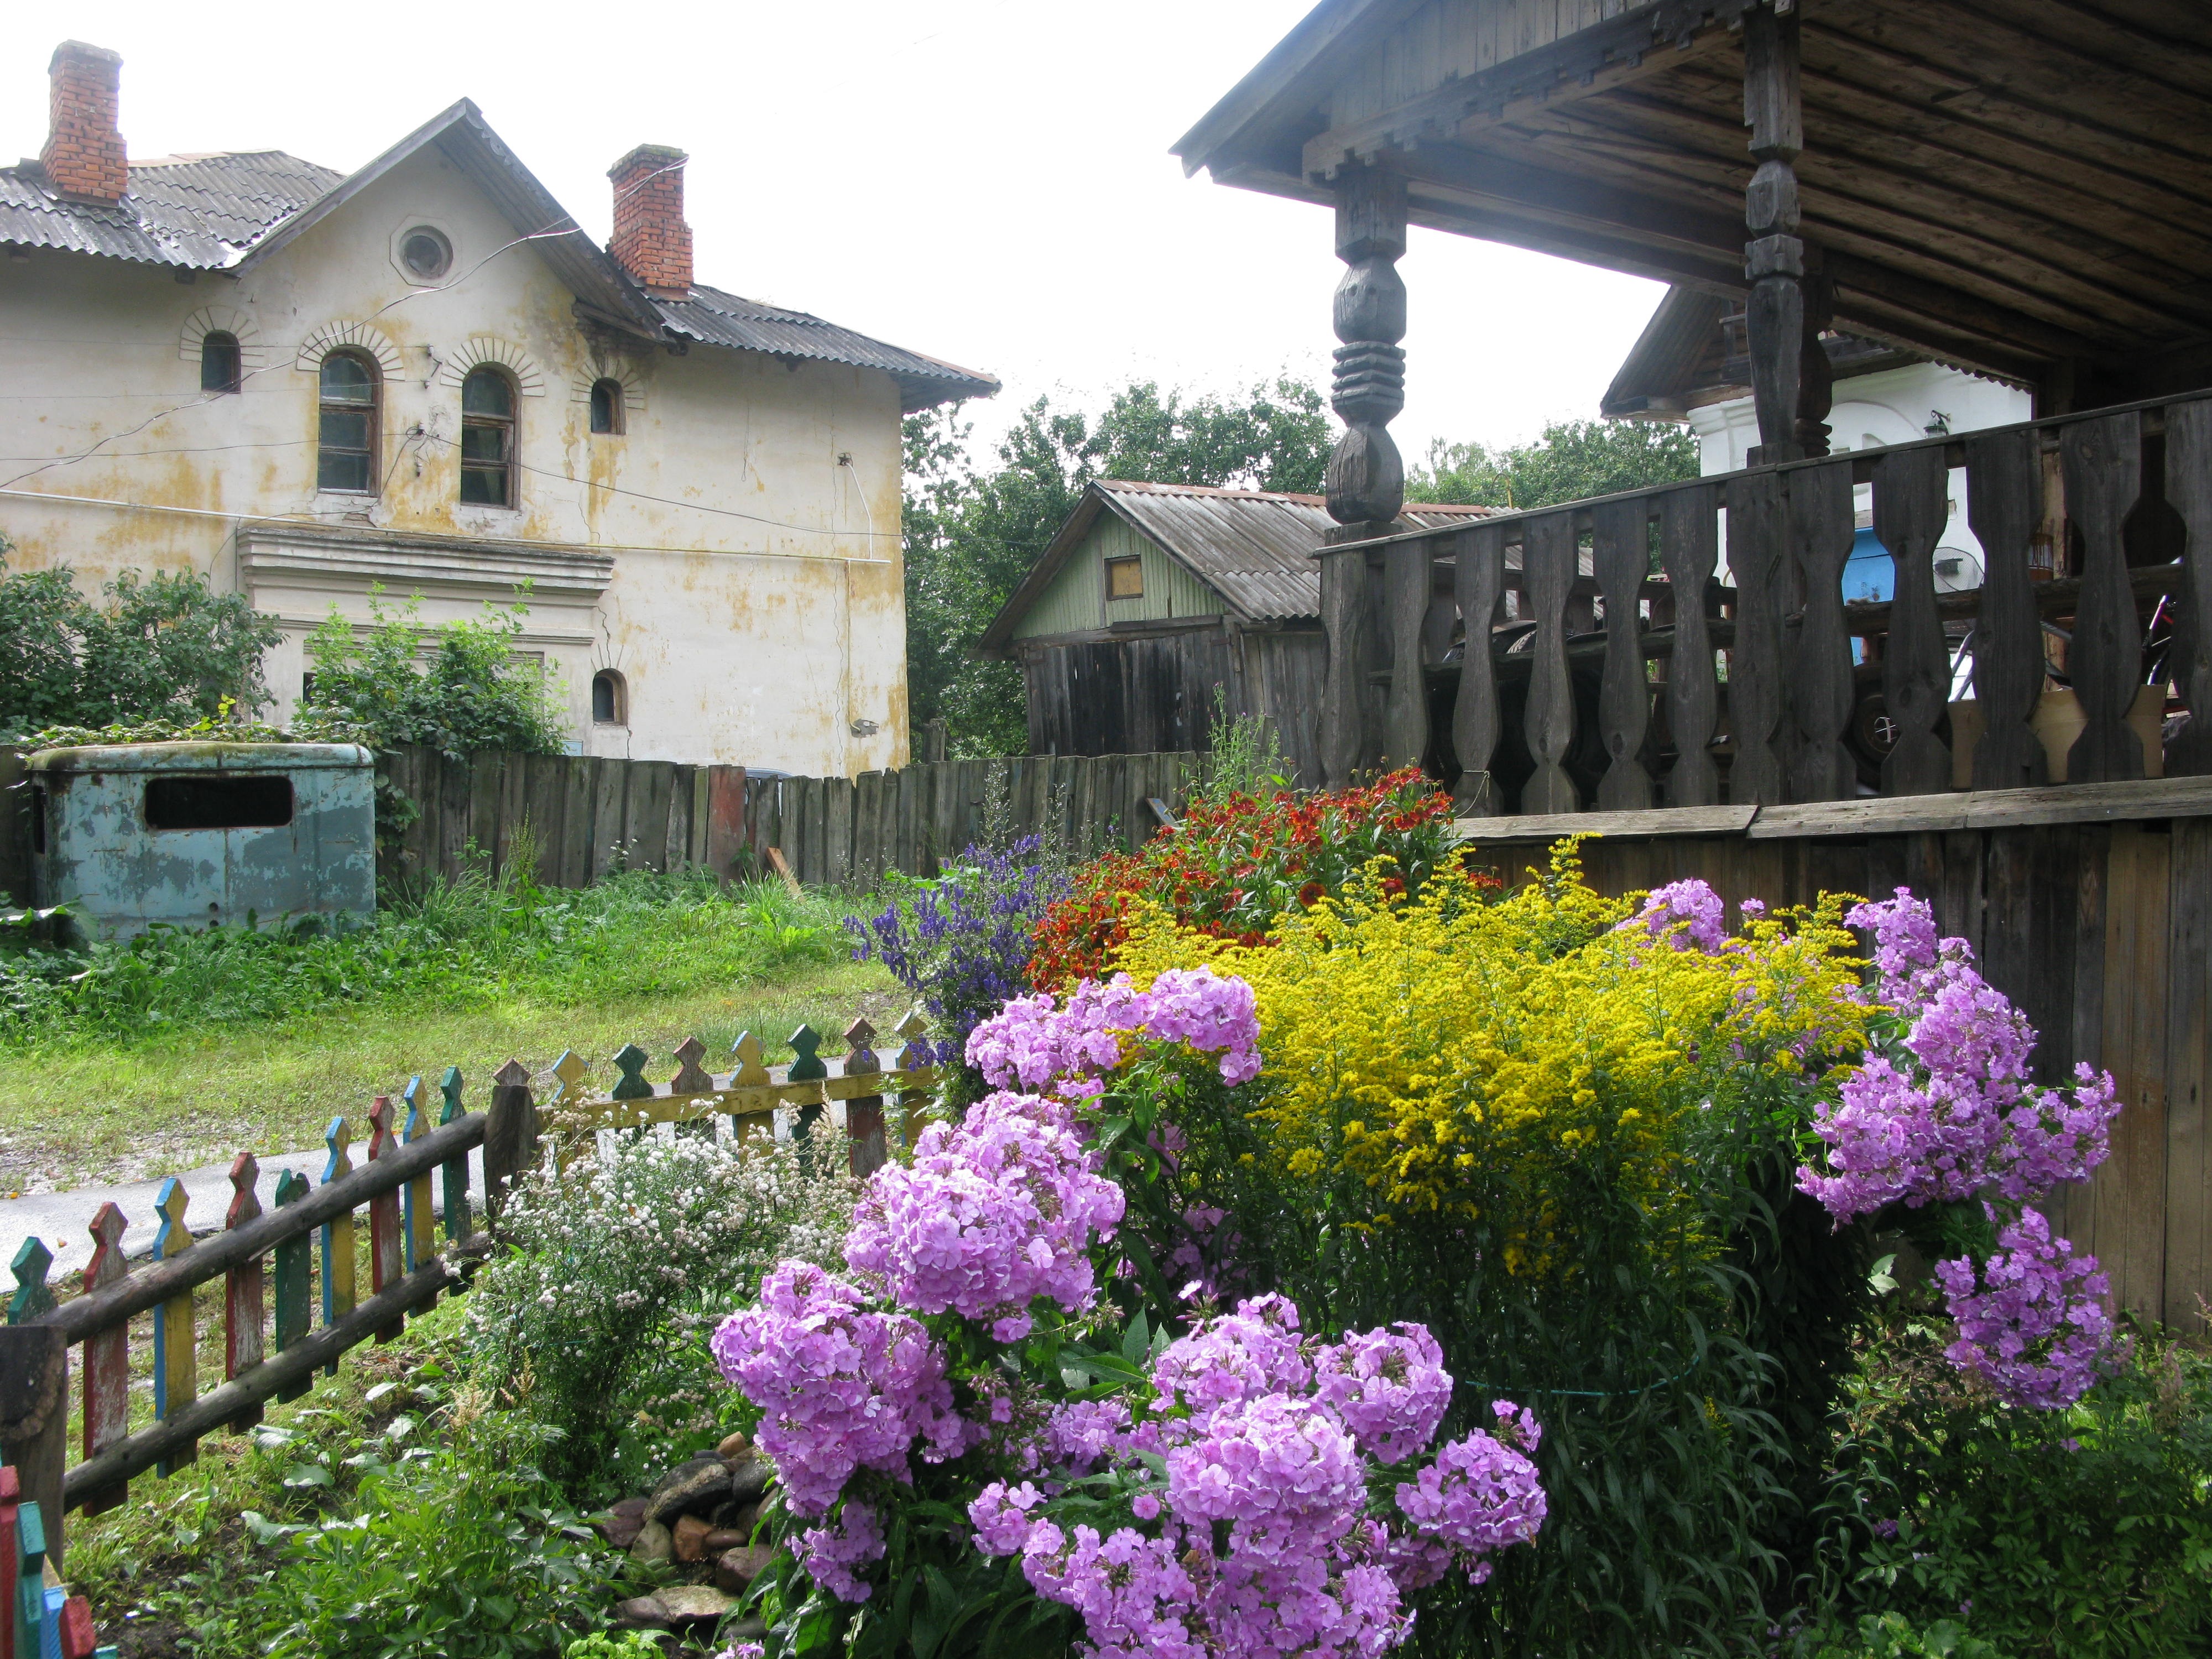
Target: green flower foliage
[1568,461]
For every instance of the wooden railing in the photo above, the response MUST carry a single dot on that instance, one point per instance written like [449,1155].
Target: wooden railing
[408,1167]
[1697,693]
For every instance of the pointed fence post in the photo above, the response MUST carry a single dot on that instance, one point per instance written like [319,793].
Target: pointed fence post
[33,1296]
[34,1388]
[510,1134]
[27,1607]
[243,1301]
[691,1080]
[807,1066]
[747,1072]
[417,1231]
[294,1265]
[918,1053]
[455,1171]
[176,1367]
[338,1248]
[570,1071]
[864,1116]
[107,1358]
[384,1268]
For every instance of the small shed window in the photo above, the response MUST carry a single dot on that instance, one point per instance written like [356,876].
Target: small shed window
[487,438]
[609,699]
[194,802]
[607,407]
[426,254]
[346,437]
[1125,579]
[220,368]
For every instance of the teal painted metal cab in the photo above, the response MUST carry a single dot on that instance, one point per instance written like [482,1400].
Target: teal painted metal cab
[199,834]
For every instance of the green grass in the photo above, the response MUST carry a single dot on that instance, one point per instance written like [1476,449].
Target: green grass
[180,1050]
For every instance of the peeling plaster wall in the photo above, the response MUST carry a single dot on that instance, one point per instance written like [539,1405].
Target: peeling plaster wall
[756,608]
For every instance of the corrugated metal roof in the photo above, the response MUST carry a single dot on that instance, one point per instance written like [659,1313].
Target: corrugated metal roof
[199,213]
[1254,547]
[714,317]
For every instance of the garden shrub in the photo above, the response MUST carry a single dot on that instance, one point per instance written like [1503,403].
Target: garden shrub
[1237,860]
[595,1319]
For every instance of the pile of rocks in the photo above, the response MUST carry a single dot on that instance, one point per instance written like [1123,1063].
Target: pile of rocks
[699,1517]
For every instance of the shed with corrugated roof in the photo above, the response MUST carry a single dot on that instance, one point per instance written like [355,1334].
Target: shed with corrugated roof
[1153,597]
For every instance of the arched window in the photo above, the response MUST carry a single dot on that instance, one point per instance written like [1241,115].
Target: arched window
[607,407]
[221,369]
[487,438]
[346,437]
[609,701]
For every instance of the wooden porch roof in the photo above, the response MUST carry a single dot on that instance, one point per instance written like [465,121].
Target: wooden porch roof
[2022,186]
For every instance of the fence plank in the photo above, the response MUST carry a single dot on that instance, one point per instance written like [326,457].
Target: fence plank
[648,787]
[176,1367]
[454,791]
[244,1301]
[384,1227]
[1620,558]
[579,784]
[723,831]
[867,829]
[416,1198]
[1547,558]
[107,1358]
[609,801]
[487,783]
[2189,488]
[514,806]
[677,849]
[544,803]
[1822,527]
[1912,505]
[1689,546]
[455,1171]
[837,809]
[1756,696]
[2103,462]
[337,1240]
[2003,496]
[864,1114]
[294,1270]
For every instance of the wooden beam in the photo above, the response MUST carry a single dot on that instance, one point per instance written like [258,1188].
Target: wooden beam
[1655,821]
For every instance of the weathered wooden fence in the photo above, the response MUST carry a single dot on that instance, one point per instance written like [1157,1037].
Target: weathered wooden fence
[588,815]
[410,1170]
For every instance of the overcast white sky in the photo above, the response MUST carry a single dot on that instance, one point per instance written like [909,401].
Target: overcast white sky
[985,180]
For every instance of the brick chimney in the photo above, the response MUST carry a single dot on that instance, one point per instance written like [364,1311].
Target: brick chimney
[651,240]
[83,156]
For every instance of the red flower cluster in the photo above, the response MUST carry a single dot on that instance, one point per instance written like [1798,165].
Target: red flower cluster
[1238,861]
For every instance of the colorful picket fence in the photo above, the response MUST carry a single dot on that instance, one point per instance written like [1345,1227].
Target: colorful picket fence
[39,1617]
[414,1164]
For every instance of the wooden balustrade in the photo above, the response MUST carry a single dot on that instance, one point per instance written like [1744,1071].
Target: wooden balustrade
[267,1255]
[1632,674]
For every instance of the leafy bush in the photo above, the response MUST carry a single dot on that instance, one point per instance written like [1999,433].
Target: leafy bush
[166,646]
[2085,1534]
[1237,861]
[471,693]
[595,1319]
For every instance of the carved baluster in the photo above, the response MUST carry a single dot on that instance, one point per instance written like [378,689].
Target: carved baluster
[918,1054]
[1547,558]
[510,1134]
[807,1066]
[2103,459]
[2189,488]
[1620,557]
[1689,547]
[748,1072]
[419,1230]
[1366,482]
[244,1301]
[2004,503]
[455,1169]
[107,1358]
[1480,580]
[1823,693]
[383,1221]
[1774,259]
[1911,504]
[1406,583]
[864,1116]
[176,1367]
[691,1081]
[1756,687]
[338,1247]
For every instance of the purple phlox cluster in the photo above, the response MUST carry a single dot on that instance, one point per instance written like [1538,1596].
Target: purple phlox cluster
[963,944]
[1133,1592]
[830,1554]
[995,1210]
[1688,914]
[1281,1470]
[1388,1387]
[1033,1043]
[2031,1322]
[1951,1109]
[1482,1493]
[1235,1356]
[1082,1435]
[842,1388]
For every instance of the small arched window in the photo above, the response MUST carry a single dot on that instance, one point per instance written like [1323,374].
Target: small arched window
[346,435]
[609,703]
[221,367]
[487,438]
[607,407]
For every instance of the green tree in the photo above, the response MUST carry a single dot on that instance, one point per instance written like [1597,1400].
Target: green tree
[1568,461]
[457,687]
[971,537]
[41,614]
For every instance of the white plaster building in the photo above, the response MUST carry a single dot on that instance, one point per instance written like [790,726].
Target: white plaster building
[423,376]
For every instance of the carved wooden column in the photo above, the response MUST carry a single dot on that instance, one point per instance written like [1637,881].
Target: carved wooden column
[1816,375]
[1774,258]
[1366,482]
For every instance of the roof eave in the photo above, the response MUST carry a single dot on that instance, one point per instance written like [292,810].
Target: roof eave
[1294,67]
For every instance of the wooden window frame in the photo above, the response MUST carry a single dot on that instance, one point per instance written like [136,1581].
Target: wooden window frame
[232,377]
[618,698]
[1115,567]
[325,405]
[510,424]
[617,418]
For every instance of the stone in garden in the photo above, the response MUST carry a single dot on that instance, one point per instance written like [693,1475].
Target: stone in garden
[642,1612]
[737,1442]
[737,1517]
[653,1542]
[698,1483]
[749,1473]
[691,1534]
[621,1524]
[688,1602]
[727,1538]
[740,1567]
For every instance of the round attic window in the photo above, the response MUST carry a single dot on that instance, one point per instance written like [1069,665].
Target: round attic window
[426,254]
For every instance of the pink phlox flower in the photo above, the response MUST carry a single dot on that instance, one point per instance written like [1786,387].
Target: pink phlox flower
[1688,914]
[1000,1516]
[2032,1323]
[1479,1495]
[1234,1357]
[829,1556]
[1281,1471]
[1388,1388]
